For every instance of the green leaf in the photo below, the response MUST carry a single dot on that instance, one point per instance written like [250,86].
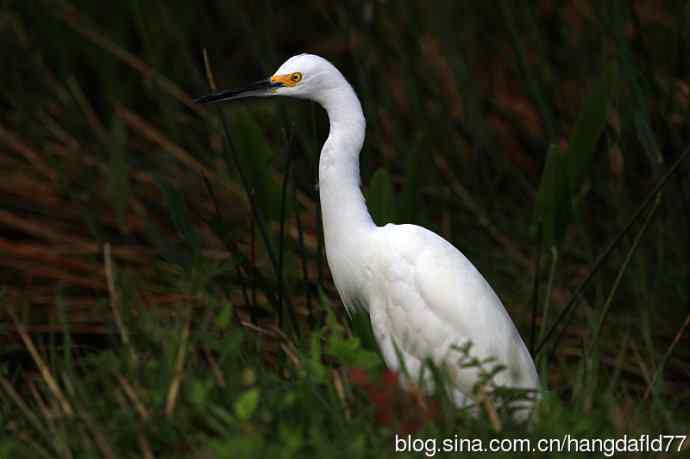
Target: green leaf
[117,185]
[360,324]
[199,391]
[291,439]
[563,174]
[224,317]
[246,404]
[177,208]
[255,156]
[648,141]
[589,126]
[314,364]
[552,213]
[380,199]
[350,352]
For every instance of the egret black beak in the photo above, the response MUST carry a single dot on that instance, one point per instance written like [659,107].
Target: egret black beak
[256,89]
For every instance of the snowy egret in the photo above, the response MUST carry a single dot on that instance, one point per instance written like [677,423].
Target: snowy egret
[425,299]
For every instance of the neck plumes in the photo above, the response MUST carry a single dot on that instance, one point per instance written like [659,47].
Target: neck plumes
[346,220]
[344,211]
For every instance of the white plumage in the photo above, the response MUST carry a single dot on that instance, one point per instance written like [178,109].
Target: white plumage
[425,299]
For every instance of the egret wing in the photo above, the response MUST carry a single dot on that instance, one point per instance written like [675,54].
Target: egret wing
[438,301]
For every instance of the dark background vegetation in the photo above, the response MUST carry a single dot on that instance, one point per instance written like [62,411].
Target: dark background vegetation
[163,287]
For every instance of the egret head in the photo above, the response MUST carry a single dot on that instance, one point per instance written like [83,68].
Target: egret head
[306,76]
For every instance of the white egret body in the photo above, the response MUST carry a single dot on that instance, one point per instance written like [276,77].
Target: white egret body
[425,299]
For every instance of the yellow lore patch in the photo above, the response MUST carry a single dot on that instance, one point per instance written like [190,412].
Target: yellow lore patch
[290,80]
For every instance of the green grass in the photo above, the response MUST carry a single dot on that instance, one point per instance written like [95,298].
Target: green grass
[163,287]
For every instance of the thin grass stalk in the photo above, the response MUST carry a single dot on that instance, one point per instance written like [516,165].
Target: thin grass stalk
[254,279]
[303,256]
[75,20]
[33,420]
[619,364]
[534,297]
[603,256]
[667,354]
[131,393]
[549,289]
[525,70]
[66,334]
[42,367]
[258,218]
[621,271]
[174,388]
[100,441]
[115,301]
[41,451]
[99,437]
[42,408]
[144,445]
[281,240]
[242,274]
[231,157]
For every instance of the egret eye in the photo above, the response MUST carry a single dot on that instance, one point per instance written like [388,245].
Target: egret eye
[296,77]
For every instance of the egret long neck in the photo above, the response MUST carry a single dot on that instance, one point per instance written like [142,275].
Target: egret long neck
[344,211]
